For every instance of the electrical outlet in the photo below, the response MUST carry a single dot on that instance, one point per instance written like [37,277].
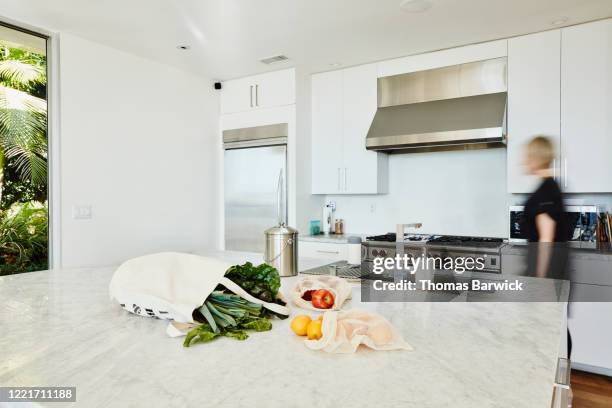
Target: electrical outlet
[372,208]
[81,212]
[332,205]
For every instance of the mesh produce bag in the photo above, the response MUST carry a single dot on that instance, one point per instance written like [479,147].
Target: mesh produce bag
[339,287]
[345,331]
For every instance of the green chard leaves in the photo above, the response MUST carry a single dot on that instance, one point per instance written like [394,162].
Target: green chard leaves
[261,281]
[229,315]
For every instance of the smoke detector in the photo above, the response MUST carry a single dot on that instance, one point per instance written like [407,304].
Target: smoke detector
[274,59]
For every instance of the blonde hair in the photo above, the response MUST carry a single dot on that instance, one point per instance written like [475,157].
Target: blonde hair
[541,152]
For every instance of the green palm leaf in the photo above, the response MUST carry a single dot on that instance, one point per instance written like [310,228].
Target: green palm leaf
[20,73]
[23,124]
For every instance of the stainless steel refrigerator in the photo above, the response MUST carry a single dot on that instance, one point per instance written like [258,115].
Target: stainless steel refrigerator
[254,159]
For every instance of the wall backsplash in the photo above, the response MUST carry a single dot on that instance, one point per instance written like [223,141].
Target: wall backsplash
[455,192]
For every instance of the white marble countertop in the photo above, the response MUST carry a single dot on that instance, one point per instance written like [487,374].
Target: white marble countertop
[60,328]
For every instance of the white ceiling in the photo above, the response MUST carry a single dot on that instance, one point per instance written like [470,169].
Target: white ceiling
[229,37]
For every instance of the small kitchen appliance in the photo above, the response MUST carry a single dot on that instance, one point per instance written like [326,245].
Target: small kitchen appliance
[328,220]
[581,222]
[282,241]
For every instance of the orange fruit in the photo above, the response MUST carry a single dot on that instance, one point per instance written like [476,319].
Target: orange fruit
[313,331]
[299,324]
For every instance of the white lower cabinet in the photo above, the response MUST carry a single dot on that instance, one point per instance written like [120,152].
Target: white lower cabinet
[590,325]
[323,250]
[344,103]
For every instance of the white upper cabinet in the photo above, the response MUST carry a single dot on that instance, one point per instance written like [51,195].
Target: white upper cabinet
[534,74]
[275,89]
[327,143]
[362,168]
[343,105]
[586,107]
[443,58]
[259,91]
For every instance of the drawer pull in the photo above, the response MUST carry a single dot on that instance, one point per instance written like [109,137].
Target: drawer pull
[564,369]
[328,252]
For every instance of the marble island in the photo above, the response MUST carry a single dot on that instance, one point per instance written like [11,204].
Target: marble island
[60,328]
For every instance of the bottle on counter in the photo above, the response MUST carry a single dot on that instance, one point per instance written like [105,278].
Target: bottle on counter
[339,227]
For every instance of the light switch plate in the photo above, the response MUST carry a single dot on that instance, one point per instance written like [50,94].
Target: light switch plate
[81,212]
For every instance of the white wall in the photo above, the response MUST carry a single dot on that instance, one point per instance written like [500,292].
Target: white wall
[136,144]
[459,192]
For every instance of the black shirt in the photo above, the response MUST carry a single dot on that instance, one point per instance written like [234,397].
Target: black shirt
[547,199]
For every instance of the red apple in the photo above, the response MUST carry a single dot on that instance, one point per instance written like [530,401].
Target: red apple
[322,299]
[308,295]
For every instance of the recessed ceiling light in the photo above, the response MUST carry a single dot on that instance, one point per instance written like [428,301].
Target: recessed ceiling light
[415,6]
[559,21]
[335,64]
[183,47]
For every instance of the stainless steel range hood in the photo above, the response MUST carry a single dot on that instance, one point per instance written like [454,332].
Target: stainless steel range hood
[460,106]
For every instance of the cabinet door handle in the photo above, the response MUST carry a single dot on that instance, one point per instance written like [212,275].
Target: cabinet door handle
[345,171]
[339,188]
[256,95]
[328,252]
[251,94]
[566,174]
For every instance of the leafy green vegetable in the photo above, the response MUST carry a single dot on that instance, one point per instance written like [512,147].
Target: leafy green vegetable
[225,314]
[229,315]
[237,334]
[200,334]
[261,281]
[209,318]
[259,325]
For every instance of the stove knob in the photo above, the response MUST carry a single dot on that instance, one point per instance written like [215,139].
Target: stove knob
[382,253]
[374,252]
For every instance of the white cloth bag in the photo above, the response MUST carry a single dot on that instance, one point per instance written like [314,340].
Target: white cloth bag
[344,331]
[339,287]
[172,285]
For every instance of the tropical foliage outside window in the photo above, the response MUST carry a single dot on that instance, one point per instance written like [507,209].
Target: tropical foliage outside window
[23,160]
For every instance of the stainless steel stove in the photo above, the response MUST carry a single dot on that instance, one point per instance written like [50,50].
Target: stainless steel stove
[443,246]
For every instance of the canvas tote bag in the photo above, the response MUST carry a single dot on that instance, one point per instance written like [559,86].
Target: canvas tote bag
[172,285]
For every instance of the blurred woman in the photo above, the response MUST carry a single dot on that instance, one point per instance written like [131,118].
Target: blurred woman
[546,224]
[545,220]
